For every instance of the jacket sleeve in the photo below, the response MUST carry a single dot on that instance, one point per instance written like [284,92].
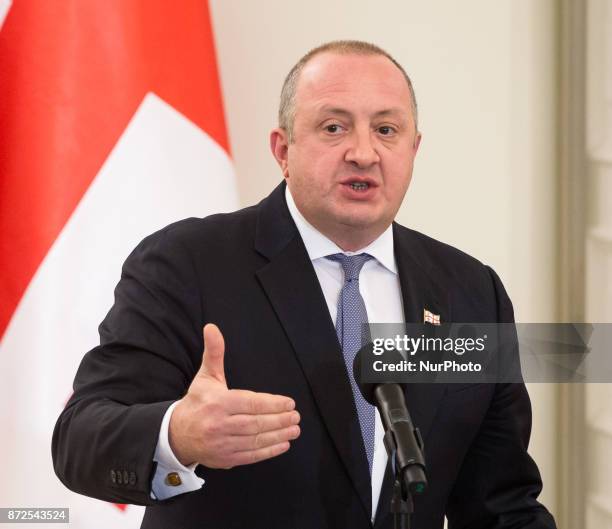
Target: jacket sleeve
[498,484]
[150,348]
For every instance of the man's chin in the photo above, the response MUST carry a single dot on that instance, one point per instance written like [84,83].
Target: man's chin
[361,222]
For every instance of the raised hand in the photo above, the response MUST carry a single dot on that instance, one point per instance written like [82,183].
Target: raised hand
[222,428]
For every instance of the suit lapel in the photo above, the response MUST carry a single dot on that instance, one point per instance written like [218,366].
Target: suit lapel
[419,292]
[293,289]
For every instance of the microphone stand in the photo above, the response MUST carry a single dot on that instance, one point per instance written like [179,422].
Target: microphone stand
[402,505]
[403,443]
[409,478]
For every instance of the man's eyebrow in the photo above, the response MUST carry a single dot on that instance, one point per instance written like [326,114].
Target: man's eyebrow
[326,109]
[393,111]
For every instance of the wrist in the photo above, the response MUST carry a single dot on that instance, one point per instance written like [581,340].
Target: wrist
[177,443]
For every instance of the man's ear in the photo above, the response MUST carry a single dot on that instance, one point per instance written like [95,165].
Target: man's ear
[279,145]
[417,142]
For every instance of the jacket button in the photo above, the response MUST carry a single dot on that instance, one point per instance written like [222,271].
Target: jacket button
[173,479]
[119,478]
[126,477]
[132,478]
[113,475]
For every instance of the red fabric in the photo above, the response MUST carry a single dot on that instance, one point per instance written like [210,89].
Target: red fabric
[72,74]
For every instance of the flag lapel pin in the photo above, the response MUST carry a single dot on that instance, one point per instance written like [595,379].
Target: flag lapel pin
[430,317]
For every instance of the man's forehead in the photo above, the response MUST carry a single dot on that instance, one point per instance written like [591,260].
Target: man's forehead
[334,75]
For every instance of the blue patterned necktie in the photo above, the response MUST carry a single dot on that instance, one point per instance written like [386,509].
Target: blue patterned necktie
[352,316]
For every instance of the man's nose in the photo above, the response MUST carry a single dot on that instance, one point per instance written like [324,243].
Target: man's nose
[361,151]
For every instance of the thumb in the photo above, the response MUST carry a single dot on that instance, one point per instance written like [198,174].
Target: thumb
[214,350]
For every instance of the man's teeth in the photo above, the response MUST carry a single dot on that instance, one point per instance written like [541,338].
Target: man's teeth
[359,185]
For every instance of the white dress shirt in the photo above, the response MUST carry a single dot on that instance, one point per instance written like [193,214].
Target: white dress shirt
[380,288]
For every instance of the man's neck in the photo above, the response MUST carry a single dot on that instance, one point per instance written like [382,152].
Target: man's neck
[352,240]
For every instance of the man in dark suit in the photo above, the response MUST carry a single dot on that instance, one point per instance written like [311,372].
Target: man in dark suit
[266,429]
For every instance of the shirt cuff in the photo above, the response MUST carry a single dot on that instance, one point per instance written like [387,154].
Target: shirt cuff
[171,478]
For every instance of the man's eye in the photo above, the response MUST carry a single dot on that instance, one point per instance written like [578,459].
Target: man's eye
[333,128]
[386,131]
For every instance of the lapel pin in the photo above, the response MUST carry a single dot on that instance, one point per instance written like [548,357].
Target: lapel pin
[430,317]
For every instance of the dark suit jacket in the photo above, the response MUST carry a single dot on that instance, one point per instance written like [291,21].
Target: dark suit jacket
[249,273]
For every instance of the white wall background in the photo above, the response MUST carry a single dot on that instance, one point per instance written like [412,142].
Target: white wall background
[598,413]
[485,78]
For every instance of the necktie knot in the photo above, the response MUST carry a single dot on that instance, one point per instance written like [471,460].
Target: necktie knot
[351,264]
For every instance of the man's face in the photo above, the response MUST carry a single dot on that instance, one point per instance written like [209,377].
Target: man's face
[353,149]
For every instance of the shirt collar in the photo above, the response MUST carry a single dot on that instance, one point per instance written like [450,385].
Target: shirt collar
[318,245]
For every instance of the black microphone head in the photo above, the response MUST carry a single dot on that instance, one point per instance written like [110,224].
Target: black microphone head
[363,361]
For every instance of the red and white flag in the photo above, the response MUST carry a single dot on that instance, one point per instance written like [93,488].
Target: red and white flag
[111,127]
[430,317]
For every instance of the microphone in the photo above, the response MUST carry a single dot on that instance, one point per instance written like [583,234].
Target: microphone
[402,440]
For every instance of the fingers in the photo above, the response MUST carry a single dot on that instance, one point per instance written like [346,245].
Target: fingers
[256,424]
[230,449]
[249,457]
[248,402]
[214,351]
[245,443]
